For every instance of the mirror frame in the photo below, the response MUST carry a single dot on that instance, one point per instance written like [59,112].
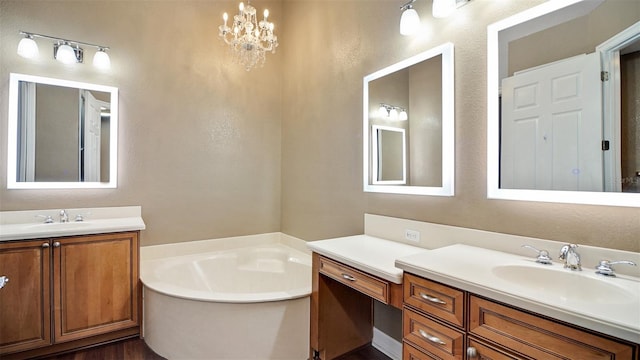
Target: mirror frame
[448,125]
[12,135]
[493,114]
[375,144]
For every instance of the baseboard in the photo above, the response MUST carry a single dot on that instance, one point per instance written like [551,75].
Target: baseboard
[386,344]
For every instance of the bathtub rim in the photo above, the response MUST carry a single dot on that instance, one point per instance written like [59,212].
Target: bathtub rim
[194,249]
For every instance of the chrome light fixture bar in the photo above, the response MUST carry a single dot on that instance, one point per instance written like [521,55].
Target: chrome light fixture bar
[64,50]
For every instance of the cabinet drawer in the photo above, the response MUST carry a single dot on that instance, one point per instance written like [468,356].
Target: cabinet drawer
[479,351]
[439,300]
[537,337]
[365,283]
[435,338]
[411,353]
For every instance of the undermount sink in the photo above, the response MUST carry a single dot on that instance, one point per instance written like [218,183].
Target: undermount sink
[570,285]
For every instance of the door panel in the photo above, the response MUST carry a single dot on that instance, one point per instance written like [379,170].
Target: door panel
[25,314]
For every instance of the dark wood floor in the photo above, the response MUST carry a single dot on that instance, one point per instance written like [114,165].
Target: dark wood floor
[136,349]
[132,349]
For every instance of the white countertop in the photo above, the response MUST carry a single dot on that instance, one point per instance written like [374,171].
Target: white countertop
[23,225]
[367,253]
[473,269]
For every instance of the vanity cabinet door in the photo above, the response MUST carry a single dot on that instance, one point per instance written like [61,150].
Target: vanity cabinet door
[25,312]
[95,285]
[539,338]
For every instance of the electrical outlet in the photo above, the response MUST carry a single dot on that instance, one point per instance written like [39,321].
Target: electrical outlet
[412,235]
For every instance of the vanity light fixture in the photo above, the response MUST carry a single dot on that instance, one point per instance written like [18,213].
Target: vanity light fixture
[409,20]
[393,112]
[65,51]
[249,38]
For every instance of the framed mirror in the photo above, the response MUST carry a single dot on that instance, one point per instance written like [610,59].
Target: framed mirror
[62,134]
[408,125]
[389,155]
[562,104]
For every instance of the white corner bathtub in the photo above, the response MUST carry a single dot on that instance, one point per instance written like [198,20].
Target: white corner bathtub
[234,298]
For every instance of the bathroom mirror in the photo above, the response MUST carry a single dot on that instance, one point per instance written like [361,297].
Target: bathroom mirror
[562,119]
[389,155]
[411,105]
[62,134]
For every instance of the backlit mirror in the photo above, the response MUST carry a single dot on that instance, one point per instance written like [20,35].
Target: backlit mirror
[408,125]
[563,84]
[62,134]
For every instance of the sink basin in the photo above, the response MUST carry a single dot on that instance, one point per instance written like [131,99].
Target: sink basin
[570,286]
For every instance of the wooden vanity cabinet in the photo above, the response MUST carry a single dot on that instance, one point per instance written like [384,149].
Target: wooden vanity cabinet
[68,292]
[342,307]
[442,322]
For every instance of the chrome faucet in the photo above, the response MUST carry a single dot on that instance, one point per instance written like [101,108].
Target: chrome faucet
[571,257]
[64,217]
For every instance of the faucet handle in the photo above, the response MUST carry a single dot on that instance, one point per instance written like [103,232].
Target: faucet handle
[604,267]
[47,218]
[543,255]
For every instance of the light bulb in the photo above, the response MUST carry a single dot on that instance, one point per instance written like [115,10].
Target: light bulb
[101,60]
[266,14]
[382,111]
[393,114]
[225,17]
[403,115]
[409,22]
[65,54]
[27,48]
[443,8]
[241,7]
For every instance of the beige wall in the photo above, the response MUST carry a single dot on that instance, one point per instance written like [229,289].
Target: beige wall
[209,150]
[199,145]
[321,166]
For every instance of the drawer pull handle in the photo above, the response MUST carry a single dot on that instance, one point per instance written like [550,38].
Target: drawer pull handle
[432,299]
[348,277]
[3,281]
[431,338]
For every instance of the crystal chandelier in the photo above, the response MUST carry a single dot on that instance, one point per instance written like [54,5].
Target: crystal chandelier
[249,39]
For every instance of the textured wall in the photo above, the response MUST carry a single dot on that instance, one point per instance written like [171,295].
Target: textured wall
[209,150]
[199,143]
[343,41]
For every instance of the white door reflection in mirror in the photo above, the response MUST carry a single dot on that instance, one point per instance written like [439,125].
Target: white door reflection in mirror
[389,155]
[551,127]
[566,150]
[421,88]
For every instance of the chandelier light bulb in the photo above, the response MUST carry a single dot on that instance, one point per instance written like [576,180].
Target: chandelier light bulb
[241,7]
[225,17]
[65,54]
[443,8]
[266,14]
[101,60]
[27,47]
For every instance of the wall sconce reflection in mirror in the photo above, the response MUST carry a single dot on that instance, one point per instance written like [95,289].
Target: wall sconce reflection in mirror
[65,51]
[392,112]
